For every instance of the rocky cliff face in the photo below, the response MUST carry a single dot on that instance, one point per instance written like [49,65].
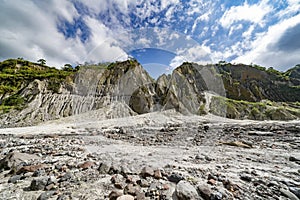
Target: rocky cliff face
[85,90]
[31,93]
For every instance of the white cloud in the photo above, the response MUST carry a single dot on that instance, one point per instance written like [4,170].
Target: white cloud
[96,6]
[253,13]
[198,54]
[35,33]
[34,36]
[166,3]
[263,49]
[247,34]
[292,8]
[234,29]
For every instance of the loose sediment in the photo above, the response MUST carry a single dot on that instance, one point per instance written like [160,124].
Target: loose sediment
[181,159]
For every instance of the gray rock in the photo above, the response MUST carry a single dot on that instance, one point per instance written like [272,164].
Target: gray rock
[147,171]
[104,168]
[143,183]
[14,179]
[46,195]
[288,194]
[295,190]
[38,183]
[15,159]
[125,197]
[175,178]
[63,197]
[246,177]
[205,192]
[294,159]
[185,191]
[117,178]
[66,177]
[216,196]
[52,180]
[115,194]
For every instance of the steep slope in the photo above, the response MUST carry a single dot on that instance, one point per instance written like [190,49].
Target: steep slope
[89,88]
[31,93]
[243,82]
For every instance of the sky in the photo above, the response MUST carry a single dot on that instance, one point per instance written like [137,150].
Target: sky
[160,34]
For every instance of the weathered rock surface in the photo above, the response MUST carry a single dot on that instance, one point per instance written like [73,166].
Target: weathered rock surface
[190,89]
[185,191]
[15,159]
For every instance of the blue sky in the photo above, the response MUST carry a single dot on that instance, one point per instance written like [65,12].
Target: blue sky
[161,34]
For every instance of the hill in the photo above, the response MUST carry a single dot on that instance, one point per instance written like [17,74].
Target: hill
[31,93]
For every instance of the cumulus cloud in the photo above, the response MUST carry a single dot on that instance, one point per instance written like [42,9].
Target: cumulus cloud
[198,54]
[30,32]
[35,35]
[278,47]
[253,13]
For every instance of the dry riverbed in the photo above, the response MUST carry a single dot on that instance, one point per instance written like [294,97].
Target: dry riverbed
[157,156]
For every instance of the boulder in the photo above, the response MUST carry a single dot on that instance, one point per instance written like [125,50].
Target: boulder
[185,191]
[15,159]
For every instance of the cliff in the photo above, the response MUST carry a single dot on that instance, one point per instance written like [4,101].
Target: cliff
[31,93]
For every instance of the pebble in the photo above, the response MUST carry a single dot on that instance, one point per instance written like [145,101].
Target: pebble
[115,194]
[38,183]
[147,171]
[46,195]
[104,168]
[175,178]
[157,174]
[86,165]
[14,179]
[246,177]
[205,192]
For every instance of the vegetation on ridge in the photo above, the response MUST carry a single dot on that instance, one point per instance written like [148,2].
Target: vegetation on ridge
[16,74]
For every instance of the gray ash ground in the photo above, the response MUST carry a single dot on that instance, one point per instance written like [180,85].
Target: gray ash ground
[208,161]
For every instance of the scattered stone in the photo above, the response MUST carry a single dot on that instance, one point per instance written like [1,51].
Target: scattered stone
[115,194]
[246,177]
[52,180]
[185,191]
[295,190]
[147,171]
[157,174]
[104,168]
[207,158]
[237,144]
[117,178]
[175,178]
[211,181]
[216,196]
[205,192]
[14,179]
[66,177]
[143,183]
[30,168]
[125,170]
[230,186]
[86,165]
[38,183]
[39,172]
[294,159]
[288,194]
[130,189]
[15,159]
[46,195]
[125,197]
